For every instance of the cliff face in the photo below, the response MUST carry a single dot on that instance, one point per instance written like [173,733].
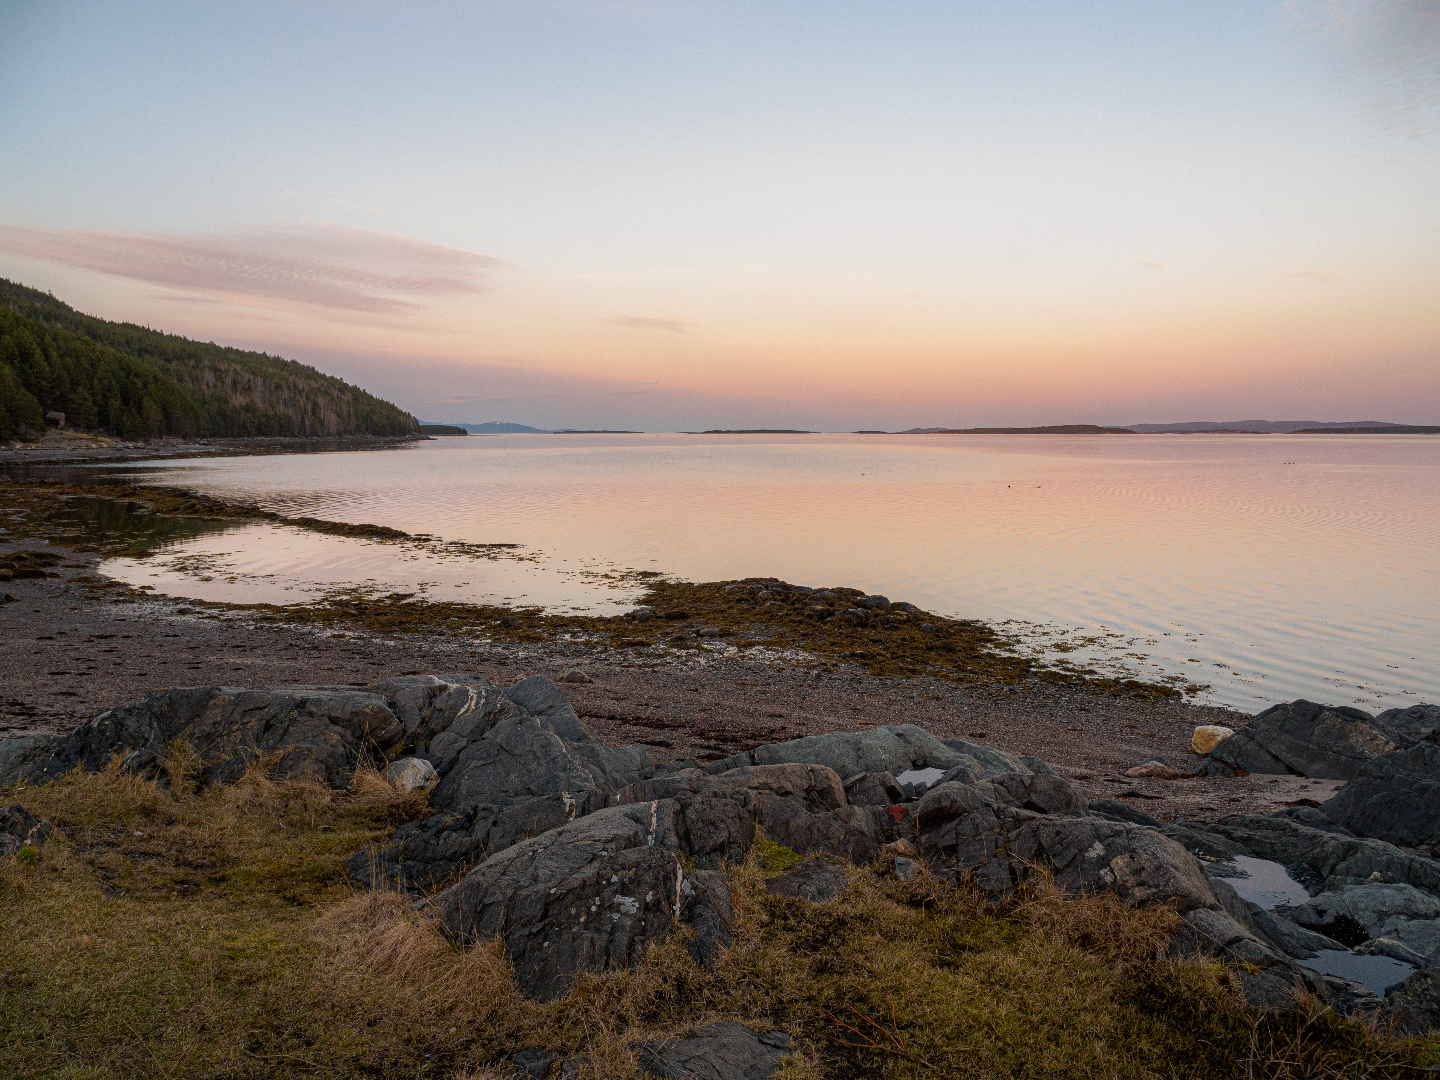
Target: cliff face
[136,382]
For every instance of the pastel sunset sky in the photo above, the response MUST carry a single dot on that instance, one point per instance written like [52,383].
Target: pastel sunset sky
[663,214]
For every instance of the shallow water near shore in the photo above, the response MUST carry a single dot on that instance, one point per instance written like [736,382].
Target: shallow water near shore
[1262,567]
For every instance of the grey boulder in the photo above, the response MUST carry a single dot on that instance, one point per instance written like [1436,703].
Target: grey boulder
[505,774]
[1327,742]
[705,906]
[800,806]
[1394,797]
[994,762]
[1361,912]
[316,733]
[410,774]
[1321,861]
[1268,978]
[1414,1005]
[715,1052]
[810,879]
[540,697]
[591,895]
[1406,727]
[893,749]
[427,854]
[19,828]
[1288,937]
[988,832]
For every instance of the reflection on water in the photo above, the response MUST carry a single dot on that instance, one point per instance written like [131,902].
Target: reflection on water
[281,564]
[110,522]
[1261,881]
[1376,973]
[1268,567]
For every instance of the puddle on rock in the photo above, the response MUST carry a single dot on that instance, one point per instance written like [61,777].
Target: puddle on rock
[1376,973]
[924,777]
[1260,881]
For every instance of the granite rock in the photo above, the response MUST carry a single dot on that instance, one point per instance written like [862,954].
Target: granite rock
[810,879]
[1394,797]
[591,895]
[1327,742]
[726,1051]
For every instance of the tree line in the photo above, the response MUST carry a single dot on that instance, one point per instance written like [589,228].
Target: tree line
[134,382]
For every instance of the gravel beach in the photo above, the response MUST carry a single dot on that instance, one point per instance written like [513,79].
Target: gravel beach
[70,648]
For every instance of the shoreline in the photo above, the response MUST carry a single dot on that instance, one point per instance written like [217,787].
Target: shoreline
[74,644]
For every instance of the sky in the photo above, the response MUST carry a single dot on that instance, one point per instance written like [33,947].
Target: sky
[668,215]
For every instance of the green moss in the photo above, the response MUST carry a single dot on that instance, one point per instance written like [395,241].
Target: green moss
[772,857]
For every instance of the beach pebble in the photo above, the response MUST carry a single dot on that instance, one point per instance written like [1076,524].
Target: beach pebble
[1158,769]
[1208,736]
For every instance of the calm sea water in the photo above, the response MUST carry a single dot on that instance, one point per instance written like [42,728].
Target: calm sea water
[1268,567]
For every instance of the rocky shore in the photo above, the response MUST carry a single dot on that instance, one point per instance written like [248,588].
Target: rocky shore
[583,857]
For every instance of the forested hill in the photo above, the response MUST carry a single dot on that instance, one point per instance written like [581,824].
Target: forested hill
[134,382]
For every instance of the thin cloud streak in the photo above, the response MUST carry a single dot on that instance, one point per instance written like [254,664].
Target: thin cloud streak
[1394,46]
[341,269]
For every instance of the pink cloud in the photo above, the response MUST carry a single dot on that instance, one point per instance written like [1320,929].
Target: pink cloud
[324,266]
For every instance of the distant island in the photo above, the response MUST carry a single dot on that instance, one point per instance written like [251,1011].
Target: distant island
[1052,429]
[748,431]
[59,367]
[1264,427]
[1380,429]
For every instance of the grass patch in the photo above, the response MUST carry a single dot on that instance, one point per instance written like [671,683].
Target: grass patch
[173,932]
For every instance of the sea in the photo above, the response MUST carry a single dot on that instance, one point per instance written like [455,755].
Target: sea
[1251,569]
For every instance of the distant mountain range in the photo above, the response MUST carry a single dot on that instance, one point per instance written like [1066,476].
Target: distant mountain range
[497,427]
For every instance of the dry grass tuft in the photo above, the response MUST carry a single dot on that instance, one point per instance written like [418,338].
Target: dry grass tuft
[370,789]
[182,765]
[213,934]
[1098,922]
